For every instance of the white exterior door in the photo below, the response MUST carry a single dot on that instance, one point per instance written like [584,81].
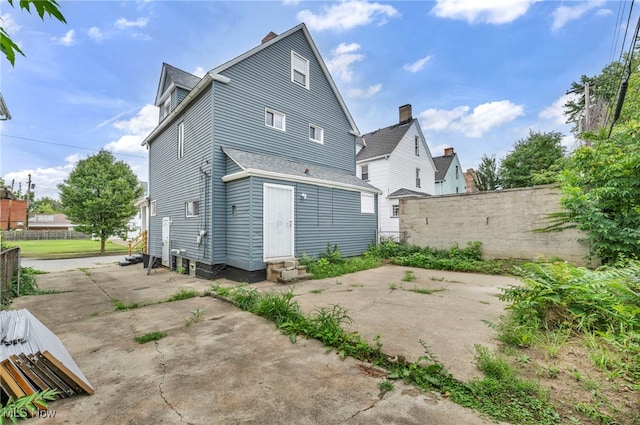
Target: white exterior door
[278,225]
[166,244]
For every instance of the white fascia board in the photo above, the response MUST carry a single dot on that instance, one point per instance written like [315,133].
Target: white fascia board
[250,172]
[375,158]
[204,82]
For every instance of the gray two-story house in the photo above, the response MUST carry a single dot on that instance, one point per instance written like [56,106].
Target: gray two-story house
[255,163]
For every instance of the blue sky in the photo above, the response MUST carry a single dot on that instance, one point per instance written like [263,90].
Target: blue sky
[478,74]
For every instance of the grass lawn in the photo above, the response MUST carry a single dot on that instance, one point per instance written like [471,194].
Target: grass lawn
[66,248]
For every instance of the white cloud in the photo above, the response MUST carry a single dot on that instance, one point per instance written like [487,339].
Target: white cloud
[123,23]
[342,58]
[46,179]
[440,119]
[564,14]
[483,118]
[135,129]
[364,94]
[9,25]
[555,112]
[199,71]
[346,15]
[68,39]
[417,65]
[96,34]
[486,11]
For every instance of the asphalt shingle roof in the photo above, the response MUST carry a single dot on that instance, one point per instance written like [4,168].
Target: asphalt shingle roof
[442,164]
[180,77]
[383,141]
[275,164]
[402,193]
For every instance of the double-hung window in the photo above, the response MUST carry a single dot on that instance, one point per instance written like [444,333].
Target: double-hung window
[192,208]
[395,210]
[364,172]
[299,70]
[181,139]
[316,134]
[417,177]
[275,119]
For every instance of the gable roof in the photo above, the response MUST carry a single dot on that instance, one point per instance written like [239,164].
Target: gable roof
[4,111]
[171,77]
[442,165]
[215,75]
[383,141]
[257,164]
[407,193]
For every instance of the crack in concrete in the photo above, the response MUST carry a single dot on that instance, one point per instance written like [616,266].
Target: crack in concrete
[363,410]
[161,392]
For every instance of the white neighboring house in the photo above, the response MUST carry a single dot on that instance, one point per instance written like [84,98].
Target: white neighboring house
[396,160]
[140,221]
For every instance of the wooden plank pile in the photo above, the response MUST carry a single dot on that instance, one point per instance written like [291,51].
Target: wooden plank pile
[33,359]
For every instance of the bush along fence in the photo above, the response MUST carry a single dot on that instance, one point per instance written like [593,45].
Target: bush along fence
[9,272]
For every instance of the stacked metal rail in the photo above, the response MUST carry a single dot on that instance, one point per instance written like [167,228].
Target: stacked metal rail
[32,359]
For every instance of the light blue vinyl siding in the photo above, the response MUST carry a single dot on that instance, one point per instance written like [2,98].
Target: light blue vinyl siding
[173,181]
[326,216]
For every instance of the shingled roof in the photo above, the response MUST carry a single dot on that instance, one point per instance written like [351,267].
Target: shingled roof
[442,165]
[257,163]
[171,74]
[383,141]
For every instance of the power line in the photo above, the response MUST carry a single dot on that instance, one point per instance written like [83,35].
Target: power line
[68,146]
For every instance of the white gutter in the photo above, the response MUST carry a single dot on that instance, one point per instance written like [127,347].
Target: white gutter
[251,172]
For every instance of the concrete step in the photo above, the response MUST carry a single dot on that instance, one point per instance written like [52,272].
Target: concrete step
[298,278]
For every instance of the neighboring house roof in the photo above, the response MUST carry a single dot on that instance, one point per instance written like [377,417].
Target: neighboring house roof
[407,193]
[4,111]
[256,164]
[174,77]
[5,193]
[215,75]
[383,141]
[49,221]
[442,166]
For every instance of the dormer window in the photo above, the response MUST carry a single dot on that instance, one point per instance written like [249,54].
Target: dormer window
[166,108]
[299,70]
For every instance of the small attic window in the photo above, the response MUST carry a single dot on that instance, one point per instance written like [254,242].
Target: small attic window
[165,108]
[299,70]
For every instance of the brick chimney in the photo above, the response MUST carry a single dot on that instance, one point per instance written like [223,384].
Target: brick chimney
[448,151]
[405,113]
[269,37]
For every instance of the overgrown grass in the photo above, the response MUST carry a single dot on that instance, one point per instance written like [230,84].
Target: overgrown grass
[183,294]
[559,304]
[66,248]
[151,336]
[331,263]
[500,395]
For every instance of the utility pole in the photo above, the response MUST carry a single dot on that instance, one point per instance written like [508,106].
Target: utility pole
[26,221]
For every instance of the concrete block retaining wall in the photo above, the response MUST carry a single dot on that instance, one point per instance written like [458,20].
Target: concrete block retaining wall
[502,220]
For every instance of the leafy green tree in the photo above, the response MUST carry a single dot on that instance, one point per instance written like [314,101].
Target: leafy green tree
[99,195]
[601,192]
[46,205]
[42,7]
[535,160]
[486,176]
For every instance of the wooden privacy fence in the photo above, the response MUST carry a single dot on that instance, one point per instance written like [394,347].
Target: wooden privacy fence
[35,235]
[9,271]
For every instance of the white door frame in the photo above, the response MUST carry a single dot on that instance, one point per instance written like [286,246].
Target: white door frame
[166,241]
[290,223]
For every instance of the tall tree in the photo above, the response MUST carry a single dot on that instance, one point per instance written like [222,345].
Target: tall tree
[99,195]
[486,176]
[42,7]
[535,160]
[46,205]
